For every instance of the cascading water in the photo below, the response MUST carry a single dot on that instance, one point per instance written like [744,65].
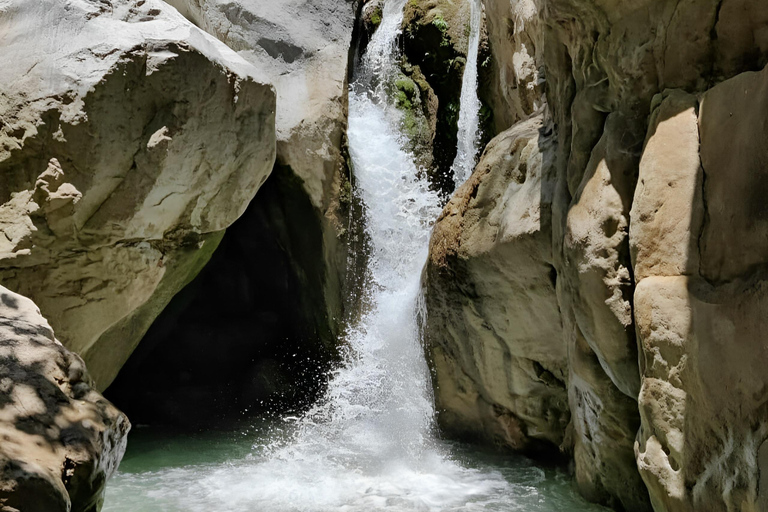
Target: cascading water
[369,444]
[469,113]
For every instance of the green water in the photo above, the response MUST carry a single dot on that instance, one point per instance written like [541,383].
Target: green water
[165,471]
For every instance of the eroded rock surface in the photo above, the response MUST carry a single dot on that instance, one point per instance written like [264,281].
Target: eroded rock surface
[656,241]
[130,140]
[61,440]
[435,42]
[494,331]
[700,299]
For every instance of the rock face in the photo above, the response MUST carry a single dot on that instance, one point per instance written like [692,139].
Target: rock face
[700,298]
[656,243]
[61,439]
[250,303]
[494,327]
[513,84]
[303,49]
[130,140]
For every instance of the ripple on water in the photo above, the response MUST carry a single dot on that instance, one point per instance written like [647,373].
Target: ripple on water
[235,472]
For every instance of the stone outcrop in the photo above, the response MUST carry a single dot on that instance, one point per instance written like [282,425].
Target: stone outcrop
[494,327]
[61,440]
[130,140]
[303,49]
[257,302]
[513,81]
[656,243]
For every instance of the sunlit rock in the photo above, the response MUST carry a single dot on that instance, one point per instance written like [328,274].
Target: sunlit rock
[130,140]
[61,440]
[494,333]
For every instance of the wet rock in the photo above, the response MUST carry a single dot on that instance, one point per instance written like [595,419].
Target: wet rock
[435,44]
[130,140]
[61,439]
[371,19]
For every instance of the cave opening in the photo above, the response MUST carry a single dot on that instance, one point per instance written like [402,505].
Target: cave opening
[251,334]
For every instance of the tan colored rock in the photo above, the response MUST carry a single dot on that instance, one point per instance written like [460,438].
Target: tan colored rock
[130,141]
[595,286]
[493,325]
[733,153]
[597,265]
[515,84]
[604,423]
[701,319]
[61,439]
[693,216]
[667,211]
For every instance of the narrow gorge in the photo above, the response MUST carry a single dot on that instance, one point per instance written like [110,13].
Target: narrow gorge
[358,255]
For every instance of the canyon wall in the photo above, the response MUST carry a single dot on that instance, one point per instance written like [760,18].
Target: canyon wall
[597,285]
[131,137]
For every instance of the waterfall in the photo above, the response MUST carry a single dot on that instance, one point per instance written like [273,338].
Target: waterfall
[469,113]
[369,444]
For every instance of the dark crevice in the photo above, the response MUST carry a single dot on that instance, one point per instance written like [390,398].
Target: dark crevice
[251,334]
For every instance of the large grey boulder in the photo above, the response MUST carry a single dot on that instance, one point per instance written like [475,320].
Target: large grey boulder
[129,141]
[61,440]
[302,48]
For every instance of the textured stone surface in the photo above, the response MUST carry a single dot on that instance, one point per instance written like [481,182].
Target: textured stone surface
[701,315]
[302,48]
[670,262]
[514,84]
[595,287]
[435,43]
[61,439]
[130,140]
[494,329]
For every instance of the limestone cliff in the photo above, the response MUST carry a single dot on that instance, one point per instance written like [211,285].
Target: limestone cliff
[494,325]
[656,250]
[130,140]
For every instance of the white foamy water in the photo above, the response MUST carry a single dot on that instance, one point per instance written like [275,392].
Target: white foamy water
[469,113]
[369,444]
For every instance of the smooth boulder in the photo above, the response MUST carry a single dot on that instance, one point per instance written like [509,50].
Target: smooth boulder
[494,334]
[130,140]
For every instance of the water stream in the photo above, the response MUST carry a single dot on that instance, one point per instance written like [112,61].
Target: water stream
[370,444]
[469,113]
